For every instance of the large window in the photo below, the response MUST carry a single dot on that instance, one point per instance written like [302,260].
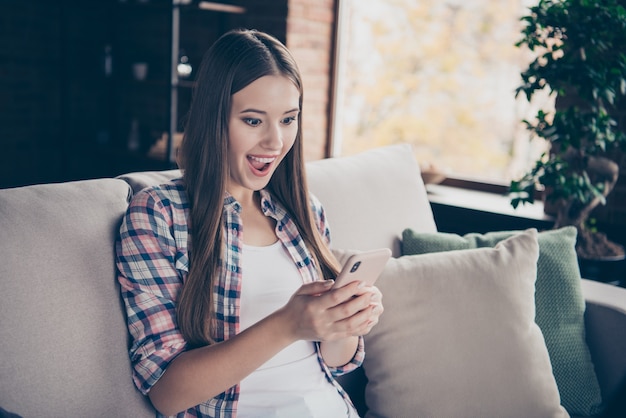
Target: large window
[441,75]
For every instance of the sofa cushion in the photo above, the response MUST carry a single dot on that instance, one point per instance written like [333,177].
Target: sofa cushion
[458,337]
[386,194]
[64,339]
[559,302]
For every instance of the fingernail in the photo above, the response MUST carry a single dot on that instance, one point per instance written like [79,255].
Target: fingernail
[329,282]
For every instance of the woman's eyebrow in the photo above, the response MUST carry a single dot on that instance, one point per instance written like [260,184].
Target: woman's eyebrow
[251,110]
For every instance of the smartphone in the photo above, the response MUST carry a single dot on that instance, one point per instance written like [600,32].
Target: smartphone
[365,266]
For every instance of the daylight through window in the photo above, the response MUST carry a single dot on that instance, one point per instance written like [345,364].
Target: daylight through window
[440,75]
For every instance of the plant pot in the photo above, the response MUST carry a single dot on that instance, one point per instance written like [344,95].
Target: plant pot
[606,269]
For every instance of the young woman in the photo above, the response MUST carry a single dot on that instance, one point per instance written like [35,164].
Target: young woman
[223,270]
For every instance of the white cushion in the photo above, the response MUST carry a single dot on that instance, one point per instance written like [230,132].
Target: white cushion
[458,337]
[63,335]
[371,197]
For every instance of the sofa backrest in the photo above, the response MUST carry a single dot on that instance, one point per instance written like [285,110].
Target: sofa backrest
[371,197]
[63,338]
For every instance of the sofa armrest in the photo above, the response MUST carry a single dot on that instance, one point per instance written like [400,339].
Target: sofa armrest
[605,321]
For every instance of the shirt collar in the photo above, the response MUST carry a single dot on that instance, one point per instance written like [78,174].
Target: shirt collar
[231,204]
[269,205]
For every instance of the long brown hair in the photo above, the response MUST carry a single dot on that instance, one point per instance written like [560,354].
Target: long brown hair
[235,60]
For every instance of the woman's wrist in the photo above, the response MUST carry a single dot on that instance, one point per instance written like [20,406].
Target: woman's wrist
[283,326]
[340,352]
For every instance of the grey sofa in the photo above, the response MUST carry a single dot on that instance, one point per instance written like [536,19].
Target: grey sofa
[63,338]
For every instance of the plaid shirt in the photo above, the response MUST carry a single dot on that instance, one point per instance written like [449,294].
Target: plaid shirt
[153,262]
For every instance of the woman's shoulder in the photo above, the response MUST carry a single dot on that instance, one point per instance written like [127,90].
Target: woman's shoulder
[316,205]
[320,214]
[171,193]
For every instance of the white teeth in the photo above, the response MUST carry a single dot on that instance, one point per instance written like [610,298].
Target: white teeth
[262,160]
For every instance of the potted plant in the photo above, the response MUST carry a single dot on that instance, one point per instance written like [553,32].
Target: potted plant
[580,48]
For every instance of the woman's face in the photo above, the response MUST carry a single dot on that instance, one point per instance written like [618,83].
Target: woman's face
[262,128]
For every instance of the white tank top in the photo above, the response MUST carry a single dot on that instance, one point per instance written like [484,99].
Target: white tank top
[292,383]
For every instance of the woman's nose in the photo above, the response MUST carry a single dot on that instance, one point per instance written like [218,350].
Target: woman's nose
[274,137]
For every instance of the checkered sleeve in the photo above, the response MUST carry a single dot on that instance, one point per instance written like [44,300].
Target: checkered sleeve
[146,260]
[353,364]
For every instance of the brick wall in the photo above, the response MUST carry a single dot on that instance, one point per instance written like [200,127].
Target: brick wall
[310,37]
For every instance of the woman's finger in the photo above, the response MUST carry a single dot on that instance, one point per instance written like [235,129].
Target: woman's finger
[315,288]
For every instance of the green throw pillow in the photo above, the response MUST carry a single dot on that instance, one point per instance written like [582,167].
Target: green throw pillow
[559,303]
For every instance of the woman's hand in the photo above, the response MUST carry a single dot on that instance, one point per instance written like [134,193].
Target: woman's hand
[318,312]
[376,302]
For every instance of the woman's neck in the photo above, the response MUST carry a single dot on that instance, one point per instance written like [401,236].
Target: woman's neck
[258,229]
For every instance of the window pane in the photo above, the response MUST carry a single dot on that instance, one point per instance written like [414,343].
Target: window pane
[440,75]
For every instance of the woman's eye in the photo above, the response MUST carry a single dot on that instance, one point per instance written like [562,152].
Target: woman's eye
[287,121]
[252,121]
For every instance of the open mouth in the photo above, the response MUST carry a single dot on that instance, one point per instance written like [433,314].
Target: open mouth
[260,165]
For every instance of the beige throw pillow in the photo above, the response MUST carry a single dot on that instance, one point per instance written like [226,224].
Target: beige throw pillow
[458,337]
